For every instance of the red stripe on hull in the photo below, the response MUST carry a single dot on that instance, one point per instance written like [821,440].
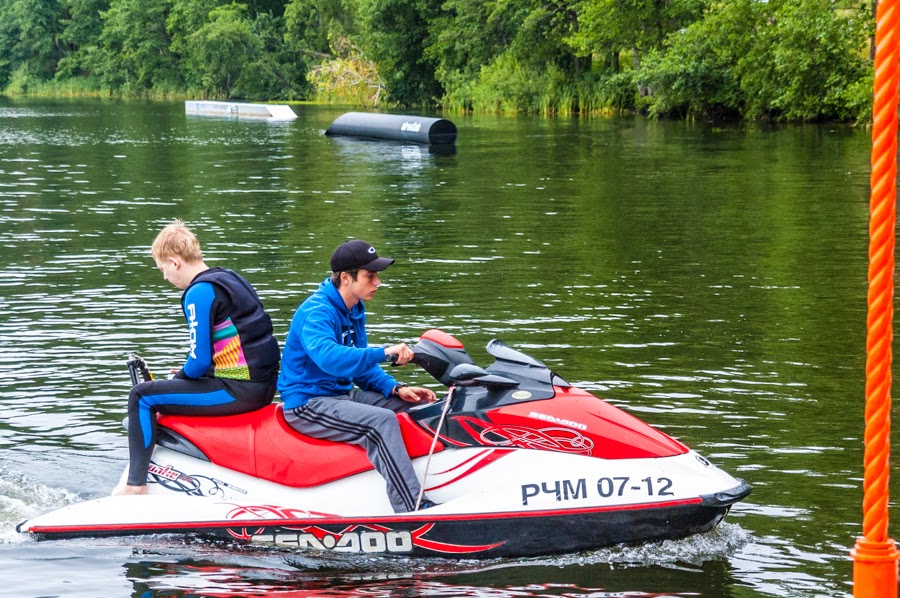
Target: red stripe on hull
[484,461]
[331,520]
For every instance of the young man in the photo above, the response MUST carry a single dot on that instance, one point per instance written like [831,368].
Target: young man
[232,365]
[327,352]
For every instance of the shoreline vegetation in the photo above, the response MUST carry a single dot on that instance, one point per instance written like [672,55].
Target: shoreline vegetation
[769,60]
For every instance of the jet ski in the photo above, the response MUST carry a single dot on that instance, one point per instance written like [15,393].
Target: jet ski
[519,462]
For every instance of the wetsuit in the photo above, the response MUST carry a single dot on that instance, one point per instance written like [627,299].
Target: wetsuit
[325,354]
[231,368]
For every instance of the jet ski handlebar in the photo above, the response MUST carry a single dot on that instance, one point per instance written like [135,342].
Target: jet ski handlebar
[138,370]
[445,358]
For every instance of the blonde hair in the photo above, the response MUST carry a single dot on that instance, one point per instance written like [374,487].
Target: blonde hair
[176,239]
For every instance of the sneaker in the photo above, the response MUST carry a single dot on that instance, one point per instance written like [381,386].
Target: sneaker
[426,504]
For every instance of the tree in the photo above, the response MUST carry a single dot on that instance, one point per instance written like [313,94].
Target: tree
[695,73]
[81,29]
[217,54]
[311,25]
[503,53]
[464,37]
[275,70]
[782,59]
[778,59]
[29,34]
[608,27]
[813,62]
[227,54]
[137,57]
[394,35]
[184,18]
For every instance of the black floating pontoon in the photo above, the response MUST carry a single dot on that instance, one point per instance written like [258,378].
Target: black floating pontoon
[398,127]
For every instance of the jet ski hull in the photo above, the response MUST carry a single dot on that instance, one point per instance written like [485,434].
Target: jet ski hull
[470,535]
[493,505]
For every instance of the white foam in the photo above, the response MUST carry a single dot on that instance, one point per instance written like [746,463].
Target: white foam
[21,498]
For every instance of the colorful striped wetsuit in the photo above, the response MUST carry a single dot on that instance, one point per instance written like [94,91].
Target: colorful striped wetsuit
[231,367]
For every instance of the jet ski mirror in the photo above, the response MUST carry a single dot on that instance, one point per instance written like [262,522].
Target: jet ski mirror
[468,374]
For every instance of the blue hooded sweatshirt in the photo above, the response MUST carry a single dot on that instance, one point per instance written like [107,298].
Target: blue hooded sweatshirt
[327,352]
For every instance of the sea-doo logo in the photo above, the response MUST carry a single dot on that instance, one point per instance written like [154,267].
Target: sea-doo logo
[366,541]
[557,420]
[411,127]
[366,538]
[192,327]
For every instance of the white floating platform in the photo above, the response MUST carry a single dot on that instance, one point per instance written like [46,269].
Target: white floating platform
[237,110]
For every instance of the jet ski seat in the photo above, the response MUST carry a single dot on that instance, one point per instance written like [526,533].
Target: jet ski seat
[263,445]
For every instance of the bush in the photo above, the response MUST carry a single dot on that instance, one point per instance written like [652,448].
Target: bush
[349,79]
[783,60]
[21,81]
[506,86]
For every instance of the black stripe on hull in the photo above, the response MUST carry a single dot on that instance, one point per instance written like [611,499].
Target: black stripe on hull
[476,536]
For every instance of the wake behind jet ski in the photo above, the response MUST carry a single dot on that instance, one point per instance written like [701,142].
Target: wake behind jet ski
[520,462]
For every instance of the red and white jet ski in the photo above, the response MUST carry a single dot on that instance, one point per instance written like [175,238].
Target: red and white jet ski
[519,462]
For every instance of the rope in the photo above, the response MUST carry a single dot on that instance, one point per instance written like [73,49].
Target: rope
[437,432]
[881,275]
[875,555]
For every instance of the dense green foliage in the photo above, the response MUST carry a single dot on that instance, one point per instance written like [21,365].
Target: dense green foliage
[772,59]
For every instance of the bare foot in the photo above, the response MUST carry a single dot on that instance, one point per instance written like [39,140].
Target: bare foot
[132,490]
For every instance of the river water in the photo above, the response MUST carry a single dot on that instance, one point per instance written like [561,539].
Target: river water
[710,280]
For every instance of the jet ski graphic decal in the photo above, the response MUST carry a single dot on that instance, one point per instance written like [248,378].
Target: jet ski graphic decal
[356,538]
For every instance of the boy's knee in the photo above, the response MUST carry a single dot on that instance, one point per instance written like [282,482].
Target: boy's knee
[385,418]
[136,394]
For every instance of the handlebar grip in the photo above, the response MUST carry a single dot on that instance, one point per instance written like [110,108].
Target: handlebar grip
[392,358]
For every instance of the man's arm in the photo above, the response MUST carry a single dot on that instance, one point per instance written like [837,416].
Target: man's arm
[376,379]
[198,303]
[319,339]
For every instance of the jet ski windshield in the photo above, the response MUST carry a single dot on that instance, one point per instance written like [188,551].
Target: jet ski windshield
[513,362]
[503,352]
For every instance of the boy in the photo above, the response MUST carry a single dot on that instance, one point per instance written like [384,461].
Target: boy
[232,365]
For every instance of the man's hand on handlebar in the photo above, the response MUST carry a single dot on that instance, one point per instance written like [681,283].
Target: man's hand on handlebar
[402,354]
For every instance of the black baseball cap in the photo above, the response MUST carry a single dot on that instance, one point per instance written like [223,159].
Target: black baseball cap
[356,253]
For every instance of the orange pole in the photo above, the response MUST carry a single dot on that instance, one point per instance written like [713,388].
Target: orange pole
[875,555]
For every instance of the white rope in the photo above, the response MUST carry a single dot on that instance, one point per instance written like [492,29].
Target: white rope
[437,433]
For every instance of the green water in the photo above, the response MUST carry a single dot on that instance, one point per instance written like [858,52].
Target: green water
[709,280]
